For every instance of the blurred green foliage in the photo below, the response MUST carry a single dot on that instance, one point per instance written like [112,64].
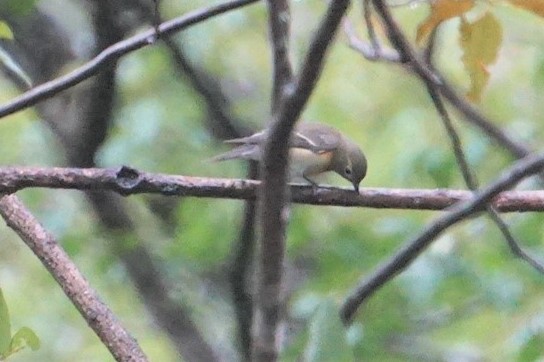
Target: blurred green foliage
[18,6]
[466,299]
[11,344]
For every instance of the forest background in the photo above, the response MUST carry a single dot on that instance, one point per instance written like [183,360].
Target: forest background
[165,108]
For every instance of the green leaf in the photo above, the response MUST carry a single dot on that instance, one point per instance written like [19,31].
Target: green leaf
[532,350]
[11,66]
[25,336]
[327,340]
[5,31]
[5,326]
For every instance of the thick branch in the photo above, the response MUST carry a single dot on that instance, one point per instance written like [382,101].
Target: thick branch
[112,54]
[414,247]
[274,193]
[99,317]
[273,198]
[240,273]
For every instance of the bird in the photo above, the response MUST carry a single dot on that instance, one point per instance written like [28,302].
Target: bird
[314,148]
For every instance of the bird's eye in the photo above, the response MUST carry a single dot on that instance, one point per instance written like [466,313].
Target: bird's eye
[347,171]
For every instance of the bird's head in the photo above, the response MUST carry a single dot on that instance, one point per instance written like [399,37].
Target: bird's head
[350,163]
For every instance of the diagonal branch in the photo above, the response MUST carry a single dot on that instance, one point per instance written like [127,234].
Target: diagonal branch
[99,317]
[472,182]
[112,54]
[415,65]
[81,128]
[414,247]
[222,124]
[422,68]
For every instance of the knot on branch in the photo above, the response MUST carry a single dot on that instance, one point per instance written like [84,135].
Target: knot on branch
[127,178]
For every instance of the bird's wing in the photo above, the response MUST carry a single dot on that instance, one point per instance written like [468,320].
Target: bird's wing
[312,136]
[254,139]
[315,137]
[244,152]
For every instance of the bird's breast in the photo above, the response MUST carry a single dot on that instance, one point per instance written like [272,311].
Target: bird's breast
[306,162]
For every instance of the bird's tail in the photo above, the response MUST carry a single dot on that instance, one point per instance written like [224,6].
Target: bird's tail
[244,152]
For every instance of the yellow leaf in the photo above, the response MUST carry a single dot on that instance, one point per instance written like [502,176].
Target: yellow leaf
[5,31]
[536,6]
[441,10]
[478,80]
[480,42]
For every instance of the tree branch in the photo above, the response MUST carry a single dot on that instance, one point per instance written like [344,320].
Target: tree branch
[373,51]
[425,70]
[414,247]
[128,181]
[469,177]
[274,193]
[112,54]
[222,124]
[98,316]
[415,65]
[273,198]
[240,275]
[278,25]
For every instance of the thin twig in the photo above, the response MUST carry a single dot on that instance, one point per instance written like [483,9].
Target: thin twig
[513,243]
[453,135]
[97,314]
[222,122]
[373,51]
[367,13]
[157,19]
[473,115]
[409,54]
[414,247]
[113,53]
[472,182]
[470,113]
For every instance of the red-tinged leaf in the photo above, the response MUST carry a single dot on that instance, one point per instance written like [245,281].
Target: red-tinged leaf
[480,42]
[535,6]
[441,10]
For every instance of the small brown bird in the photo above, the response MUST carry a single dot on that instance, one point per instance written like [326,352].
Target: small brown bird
[315,148]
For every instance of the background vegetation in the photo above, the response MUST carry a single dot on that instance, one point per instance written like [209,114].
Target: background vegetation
[467,298]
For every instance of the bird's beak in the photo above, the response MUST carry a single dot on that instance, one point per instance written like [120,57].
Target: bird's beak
[356,187]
